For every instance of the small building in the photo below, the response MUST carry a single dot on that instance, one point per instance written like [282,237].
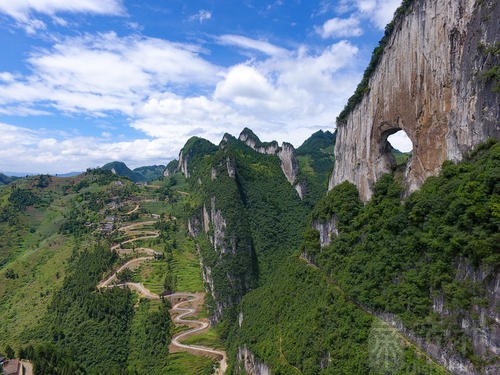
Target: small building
[12,367]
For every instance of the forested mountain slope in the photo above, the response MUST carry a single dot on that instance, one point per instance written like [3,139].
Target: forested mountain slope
[276,311]
[428,263]
[60,238]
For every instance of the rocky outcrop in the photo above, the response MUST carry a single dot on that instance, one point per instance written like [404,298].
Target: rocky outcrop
[252,366]
[251,140]
[430,82]
[215,225]
[482,324]
[450,359]
[231,167]
[289,163]
[183,164]
[171,168]
[327,230]
[286,153]
[223,251]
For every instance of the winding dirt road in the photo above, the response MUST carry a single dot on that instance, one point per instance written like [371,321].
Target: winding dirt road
[197,326]
[177,312]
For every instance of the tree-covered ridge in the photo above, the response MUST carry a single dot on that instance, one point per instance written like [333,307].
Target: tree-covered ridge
[5,180]
[140,174]
[395,256]
[300,322]
[316,161]
[150,172]
[261,213]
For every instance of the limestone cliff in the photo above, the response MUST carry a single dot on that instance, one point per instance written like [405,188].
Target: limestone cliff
[429,81]
[327,229]
[227,248]
[286,153]
[249,364]
[194,149]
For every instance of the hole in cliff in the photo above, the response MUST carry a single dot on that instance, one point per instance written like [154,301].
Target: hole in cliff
[401,148]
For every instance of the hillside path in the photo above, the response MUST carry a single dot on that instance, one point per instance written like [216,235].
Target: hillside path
[178,300]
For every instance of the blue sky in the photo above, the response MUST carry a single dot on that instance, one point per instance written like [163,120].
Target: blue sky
[85,82]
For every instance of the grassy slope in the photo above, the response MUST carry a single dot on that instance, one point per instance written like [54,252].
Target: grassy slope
[33,249]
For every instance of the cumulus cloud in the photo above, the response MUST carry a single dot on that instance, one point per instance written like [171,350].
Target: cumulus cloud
[380,12]
[341,27]
[25,150]
[168,91]
[24,11]
[123,71]
[377,12]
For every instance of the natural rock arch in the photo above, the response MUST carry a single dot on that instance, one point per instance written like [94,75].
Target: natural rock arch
[427,82]
[386,147]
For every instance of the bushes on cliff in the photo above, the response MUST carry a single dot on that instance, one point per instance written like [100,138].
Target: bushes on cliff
[392,254]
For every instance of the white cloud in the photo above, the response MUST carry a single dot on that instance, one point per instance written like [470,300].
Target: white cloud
[122,72]
[377,12]
[252,44]
[384,12]
[23,10]
[284,96]
[244,83]
[341,27]
[201,16]
[25,150]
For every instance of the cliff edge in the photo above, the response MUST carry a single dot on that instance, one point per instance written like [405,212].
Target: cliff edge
[434,81]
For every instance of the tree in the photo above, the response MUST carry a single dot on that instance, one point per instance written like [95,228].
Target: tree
[9,352]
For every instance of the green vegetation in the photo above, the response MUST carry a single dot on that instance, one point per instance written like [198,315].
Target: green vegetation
[5,180]
[362,88]
[300,322]
[47,359]
[151,172]
[188,364]
[257,209]
[141,174]
[390,256]
[209,339]
[149,338]
[93,327]
[492,74]
[316,160]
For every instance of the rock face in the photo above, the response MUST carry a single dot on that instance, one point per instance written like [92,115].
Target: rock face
[429,82]
[326,229]
[183,164]
[251,140]
[289,163]
[250,363]
[482,324]
[226,249]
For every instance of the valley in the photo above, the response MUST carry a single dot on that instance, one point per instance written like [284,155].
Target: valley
[343,255]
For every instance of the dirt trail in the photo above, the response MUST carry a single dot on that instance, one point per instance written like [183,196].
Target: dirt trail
[131,265]
[197,326]
[177,312]
[132,210]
